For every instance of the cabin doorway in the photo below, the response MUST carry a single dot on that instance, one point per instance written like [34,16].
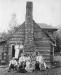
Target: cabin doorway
[13,50]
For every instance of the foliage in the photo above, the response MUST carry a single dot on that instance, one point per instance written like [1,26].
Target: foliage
[58,39]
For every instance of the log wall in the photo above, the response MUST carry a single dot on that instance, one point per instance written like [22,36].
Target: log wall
[17,37]
[42,43]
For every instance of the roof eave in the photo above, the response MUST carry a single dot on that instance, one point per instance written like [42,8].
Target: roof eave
[50,29]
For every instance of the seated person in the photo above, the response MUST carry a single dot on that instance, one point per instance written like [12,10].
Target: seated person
[29,67]
[33,65]
[21,59]
[27,58]
[22,63]
[37,66]
[39,62]
[12,64]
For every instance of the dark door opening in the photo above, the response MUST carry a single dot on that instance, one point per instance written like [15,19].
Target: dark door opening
[13,50]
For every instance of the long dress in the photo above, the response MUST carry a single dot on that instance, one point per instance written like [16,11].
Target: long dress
[16,51]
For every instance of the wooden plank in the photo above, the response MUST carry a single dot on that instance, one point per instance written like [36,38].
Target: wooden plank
[47,57]
[14,41]
[38,49]
[42,42]
[20,35]
[43,48]
[42,45]
[44,52]
[21,31]
[47,61]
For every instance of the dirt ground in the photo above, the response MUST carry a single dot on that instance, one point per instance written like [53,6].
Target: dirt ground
[55,71]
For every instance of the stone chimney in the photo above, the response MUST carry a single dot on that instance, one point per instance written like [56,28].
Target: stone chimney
[29,26]
[29,8]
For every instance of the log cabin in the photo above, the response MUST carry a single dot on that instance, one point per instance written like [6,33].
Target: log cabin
[33,37]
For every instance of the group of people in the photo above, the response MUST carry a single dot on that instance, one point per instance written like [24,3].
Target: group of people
[27,63]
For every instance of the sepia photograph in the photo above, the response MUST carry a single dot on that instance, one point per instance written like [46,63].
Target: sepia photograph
[30,37]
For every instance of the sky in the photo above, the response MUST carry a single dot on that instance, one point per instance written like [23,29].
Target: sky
[44,11]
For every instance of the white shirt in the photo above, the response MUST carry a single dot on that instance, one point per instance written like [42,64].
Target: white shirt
[14,62]
[21,59]
[27,58]
[16,47]
[27,65]
[39,59]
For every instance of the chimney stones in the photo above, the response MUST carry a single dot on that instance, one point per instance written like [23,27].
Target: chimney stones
[28,26]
